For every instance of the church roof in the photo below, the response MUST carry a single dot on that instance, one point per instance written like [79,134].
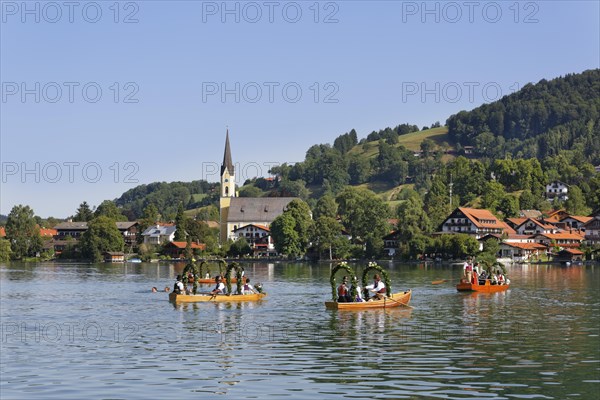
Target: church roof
[257,209]
[227,163]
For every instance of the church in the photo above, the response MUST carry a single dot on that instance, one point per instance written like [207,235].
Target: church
[248,217]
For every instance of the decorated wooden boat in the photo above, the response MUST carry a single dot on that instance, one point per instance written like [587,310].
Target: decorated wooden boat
[219,298]
[192,296]
[487,287]
[395,300]
[387,300]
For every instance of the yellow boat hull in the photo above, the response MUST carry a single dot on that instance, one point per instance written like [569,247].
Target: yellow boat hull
[395,300]
[219,298]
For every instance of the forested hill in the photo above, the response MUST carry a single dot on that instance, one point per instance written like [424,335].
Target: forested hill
[538,121]
[166,197]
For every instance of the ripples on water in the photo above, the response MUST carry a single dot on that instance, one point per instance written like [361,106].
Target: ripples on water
[97,331]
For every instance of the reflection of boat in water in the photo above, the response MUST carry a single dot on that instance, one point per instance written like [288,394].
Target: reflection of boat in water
[476,287]
[395,300]
[219,298]
[134,260]
[385,298]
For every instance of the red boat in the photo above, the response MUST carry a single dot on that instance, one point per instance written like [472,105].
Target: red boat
[487,287]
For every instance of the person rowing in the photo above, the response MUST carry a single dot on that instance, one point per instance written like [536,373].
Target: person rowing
[377,288]
[219,287]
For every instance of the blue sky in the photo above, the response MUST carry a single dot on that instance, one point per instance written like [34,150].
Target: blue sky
[91,107]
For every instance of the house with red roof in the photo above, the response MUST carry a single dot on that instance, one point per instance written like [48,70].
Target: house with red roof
[475,222]
[258,237]
[561,239]
[177,249]
[532,226]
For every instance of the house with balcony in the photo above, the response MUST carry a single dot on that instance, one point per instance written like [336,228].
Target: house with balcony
[562,239]
[130,231]
[159,234]
[533,226]
[258,237]
[474,222]
[557,189]
[592,230]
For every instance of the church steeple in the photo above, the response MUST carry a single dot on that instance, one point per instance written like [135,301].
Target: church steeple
[227,171]
[227,163]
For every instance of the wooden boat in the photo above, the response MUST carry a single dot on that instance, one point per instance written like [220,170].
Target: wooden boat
[219,298]
[487,287]
[395,300]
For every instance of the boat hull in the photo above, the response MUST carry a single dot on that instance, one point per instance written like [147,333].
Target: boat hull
[395,300]
[220,298]
[487,287]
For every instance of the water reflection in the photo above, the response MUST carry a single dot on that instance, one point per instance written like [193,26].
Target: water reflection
[538,339]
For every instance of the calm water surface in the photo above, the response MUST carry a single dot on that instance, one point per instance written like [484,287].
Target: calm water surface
[96,331]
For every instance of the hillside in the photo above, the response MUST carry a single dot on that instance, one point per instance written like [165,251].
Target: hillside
[553,127]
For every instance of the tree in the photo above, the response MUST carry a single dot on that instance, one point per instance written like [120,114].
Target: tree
[363,213]
[180,223]
[437,203]
[326,207]
[291,231]
[285,236]
[493,194]
[5,251]
[326,231]
[527,201]
[84,213]
[250,191]
[575,204]
[109,209]
[240,248]
[22,232]
[509,206]
[101,236]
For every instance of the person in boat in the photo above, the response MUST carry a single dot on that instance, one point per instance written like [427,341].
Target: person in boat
[178,287]
[247,288]
[358,297]
[468,271]
[207,276]
[377,289]
[501,280]
[344,292]
[219,287]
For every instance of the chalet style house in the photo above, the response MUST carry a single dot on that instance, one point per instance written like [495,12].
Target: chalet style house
[258,237]
[592,230]
[70,232]
[557,189]
[474,222]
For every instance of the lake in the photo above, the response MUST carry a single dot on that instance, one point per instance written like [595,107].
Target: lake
[72,331]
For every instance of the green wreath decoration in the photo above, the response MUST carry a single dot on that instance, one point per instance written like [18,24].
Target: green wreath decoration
[238,274]
[384,275]
[350,270]
[190,266]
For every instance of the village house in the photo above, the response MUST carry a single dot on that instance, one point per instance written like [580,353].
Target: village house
[258,237]
[576,222]
[474,222]
[557,189]
[533,226]
[159,234]
[562,239]
[592,230]
[177,249]
[130,231]
[114,256]
[390,243]
[569,256]
[521,252]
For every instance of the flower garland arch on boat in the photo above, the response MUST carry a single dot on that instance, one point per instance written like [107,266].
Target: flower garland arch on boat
[384,275]
[343,265]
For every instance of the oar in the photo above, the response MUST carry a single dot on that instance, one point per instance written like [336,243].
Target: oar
[396,301]
[439,281]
